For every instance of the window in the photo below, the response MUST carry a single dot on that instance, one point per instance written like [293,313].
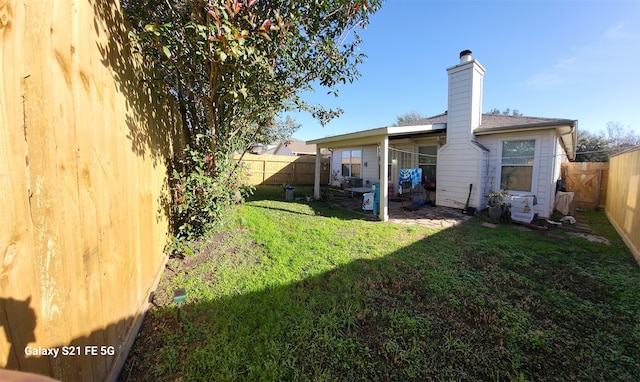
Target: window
[351,161]
[428,161]
[517,165]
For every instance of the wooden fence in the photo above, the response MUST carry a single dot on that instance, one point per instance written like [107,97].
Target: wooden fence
[589,182]
[83,225]
[284,169]
[623,207]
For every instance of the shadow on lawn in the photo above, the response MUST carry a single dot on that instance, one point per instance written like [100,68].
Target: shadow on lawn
[440,308]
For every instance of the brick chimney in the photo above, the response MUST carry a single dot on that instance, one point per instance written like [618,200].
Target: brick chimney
[465,98]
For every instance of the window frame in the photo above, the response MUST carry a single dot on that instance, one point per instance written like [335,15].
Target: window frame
[349,165]
[428,161]
[534,166]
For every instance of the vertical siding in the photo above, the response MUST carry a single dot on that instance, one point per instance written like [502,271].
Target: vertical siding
[370,156]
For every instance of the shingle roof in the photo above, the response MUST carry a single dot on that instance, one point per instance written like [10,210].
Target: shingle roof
[436,119]
[492,122]
[498,122]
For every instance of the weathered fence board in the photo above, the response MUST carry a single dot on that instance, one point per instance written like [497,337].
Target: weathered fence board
[83,143]
[623,206]
[283,169]
[589,182]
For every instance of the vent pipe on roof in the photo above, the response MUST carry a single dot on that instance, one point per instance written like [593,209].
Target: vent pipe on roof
[465,56]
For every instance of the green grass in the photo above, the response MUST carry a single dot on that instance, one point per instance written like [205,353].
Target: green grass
[305,292]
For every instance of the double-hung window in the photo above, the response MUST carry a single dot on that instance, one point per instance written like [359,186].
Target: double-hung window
[517,165]
[351,162]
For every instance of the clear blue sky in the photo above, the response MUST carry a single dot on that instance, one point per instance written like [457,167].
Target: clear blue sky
[560,59]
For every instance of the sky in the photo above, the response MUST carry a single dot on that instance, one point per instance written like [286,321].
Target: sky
[557,59]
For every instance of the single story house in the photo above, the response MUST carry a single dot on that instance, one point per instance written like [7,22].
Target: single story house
[462,153]
[291,146]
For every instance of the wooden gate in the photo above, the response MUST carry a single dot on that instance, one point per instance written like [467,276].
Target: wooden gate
[589,182]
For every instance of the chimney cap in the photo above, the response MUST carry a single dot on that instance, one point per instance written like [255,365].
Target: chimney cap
[465,53]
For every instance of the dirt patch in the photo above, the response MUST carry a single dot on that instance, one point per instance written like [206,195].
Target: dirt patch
[591,238]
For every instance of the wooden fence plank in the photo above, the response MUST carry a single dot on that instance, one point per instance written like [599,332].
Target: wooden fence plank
[623,208]
[589,182]
[283,169]
[83,142]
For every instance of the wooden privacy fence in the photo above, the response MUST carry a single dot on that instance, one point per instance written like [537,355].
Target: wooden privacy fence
[589,182]
[623,204]
[284,169]
[83,225]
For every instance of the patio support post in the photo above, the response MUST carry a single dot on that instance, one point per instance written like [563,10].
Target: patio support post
[384,179]
[316,180]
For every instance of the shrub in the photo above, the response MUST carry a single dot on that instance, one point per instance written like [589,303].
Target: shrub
[200,198]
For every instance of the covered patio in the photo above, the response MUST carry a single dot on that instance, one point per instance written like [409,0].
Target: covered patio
[375,157]
[398,212]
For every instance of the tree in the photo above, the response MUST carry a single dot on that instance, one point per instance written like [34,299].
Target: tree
[506,111]
[592,147]
[234,65]
[621,137]
[409,118]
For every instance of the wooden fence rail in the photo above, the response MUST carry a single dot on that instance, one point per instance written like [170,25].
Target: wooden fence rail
[623,205]
[284,169]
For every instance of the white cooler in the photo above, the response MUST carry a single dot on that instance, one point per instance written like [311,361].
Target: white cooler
[367,201]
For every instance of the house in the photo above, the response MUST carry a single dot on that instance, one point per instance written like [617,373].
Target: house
[291,146]
[463,152]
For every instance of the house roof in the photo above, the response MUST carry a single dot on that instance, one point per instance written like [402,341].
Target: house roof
[566,129]
[495,122]
[498,123]
[299,147]
[374,135]
[293,147]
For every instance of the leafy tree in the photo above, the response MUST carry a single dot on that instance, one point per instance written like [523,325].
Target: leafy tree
[234,65]
[409,118]
[506,111]
[592,147]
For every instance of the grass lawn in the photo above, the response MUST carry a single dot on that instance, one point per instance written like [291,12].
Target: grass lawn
[295,291]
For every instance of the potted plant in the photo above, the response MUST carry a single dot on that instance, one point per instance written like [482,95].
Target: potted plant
[498,204]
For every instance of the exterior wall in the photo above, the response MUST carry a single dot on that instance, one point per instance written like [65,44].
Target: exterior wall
[370,171]
[545,166]
[369,155]
[458,166]
[83,143]
[464,101]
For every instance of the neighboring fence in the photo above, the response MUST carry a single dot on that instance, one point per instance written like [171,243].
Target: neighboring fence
[623,206]
[83,226]
[589,182]
[284,169]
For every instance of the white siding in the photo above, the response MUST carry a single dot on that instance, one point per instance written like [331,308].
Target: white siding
[370,164]
[544,171]
[464,101]
[458,166]
[369,155]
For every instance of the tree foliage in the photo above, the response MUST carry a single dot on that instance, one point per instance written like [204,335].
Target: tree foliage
[233,65]
[598,147]
[409,118]
[592,148]
[506,111]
